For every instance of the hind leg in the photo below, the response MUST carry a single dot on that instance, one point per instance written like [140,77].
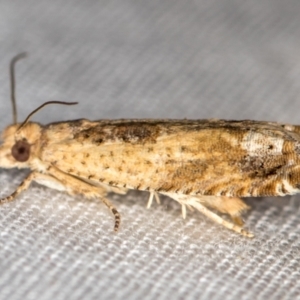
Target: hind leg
[232,206]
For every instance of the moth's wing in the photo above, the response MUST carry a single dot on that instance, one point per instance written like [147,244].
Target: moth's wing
[228,158]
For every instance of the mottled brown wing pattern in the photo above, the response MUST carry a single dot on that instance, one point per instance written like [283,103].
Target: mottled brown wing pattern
[227,158]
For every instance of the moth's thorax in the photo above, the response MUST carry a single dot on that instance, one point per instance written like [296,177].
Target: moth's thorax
[29,135]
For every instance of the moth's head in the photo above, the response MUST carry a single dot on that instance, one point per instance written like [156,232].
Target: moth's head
[21,142]
[20,145]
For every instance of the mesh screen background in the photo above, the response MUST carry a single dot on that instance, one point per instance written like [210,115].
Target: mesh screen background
[148,59]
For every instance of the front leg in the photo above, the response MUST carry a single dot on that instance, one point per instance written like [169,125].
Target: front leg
[22,187]
[75,185]
[70,184]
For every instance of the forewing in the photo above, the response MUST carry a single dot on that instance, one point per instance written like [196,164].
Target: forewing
[209,157]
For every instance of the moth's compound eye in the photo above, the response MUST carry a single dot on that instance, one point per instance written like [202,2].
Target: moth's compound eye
[21,151]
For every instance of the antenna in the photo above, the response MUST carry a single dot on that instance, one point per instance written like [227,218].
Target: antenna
[41,106]
[13,83]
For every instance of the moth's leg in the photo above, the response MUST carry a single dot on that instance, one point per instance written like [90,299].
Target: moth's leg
[115,212]
[91,193]
[75,185]
[153,194]
[113,189]
[200,204]
[22,187]
[183,209]
[40,178]
[232,206]
[190,208]
[219,220]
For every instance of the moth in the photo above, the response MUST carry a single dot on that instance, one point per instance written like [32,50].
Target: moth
[207,165]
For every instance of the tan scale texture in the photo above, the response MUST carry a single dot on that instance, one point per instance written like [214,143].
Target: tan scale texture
[152,59]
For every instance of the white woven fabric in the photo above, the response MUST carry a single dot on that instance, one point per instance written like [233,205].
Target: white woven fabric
[148,59]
